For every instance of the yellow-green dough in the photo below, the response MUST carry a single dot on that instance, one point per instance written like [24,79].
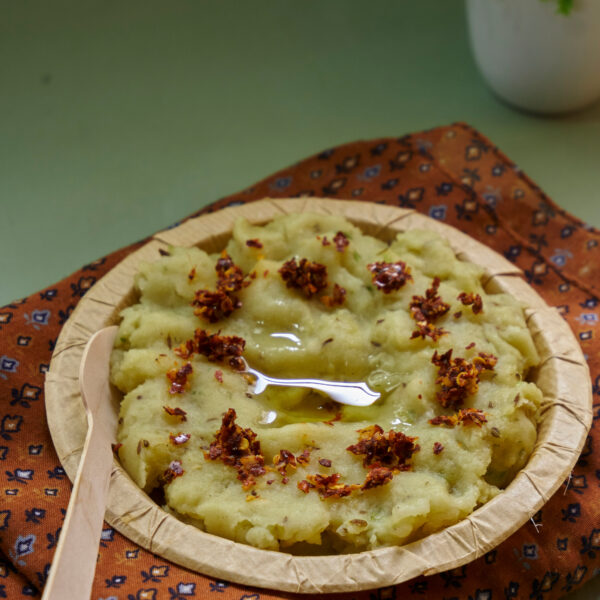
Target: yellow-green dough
[368,339]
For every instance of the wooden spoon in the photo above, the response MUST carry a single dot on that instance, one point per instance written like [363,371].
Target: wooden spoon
[74,563]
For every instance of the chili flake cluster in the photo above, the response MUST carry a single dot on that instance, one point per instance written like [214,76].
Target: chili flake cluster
[179,378]
[311,278]
[282,460]
[458,377]
[392,449]
[384,455]
[173,470]
[238,448]
[220,303]
[176,412]
[341,241]
[307,276]
[427,309]
[217,348]
[337,297]
[327,486]
[465,416]
[474,300]
[388,277]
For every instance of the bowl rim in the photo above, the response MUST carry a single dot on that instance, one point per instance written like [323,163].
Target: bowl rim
[566,416]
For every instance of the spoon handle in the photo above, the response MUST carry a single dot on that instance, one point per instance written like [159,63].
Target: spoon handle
[74,562]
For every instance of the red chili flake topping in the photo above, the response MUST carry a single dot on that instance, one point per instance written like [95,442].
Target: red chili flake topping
[327,485]
[179,378]
[284,459]
[471,345]
[338,417]
[325,241]
[438,448]
[116,448]
[304,457]
[176,412]
[265,273]
[457,315]
[173,470]
[217,348]
[485,361]
[325,462]
[443,420]
[254,243]
[304,486]
[390,276]
[219,375]
[425,329]
[459,377]
[392,449]
[179,439]
[426,309]
[239,449]
[377,476]
[340,241]
[214,306]
[310,277]
[336,299]
[230,276]
[471,416]
[473,299]
[192,274]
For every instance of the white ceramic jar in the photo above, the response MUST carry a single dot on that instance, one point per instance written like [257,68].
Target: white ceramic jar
[534,58]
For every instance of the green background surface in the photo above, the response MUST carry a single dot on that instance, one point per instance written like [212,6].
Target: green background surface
[119,118]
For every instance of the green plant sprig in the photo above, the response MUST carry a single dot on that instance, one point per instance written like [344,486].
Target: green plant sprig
[564,6]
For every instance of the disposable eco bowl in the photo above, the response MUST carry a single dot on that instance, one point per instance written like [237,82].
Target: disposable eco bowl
[566,414]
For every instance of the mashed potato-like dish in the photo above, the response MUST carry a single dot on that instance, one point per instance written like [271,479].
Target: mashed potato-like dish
[309,296]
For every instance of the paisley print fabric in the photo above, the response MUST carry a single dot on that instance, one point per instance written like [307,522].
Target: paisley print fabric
[453,174]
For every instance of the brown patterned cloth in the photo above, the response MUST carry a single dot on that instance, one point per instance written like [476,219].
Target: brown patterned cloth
[453,174]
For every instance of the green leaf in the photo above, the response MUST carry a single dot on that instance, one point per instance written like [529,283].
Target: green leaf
[564,7]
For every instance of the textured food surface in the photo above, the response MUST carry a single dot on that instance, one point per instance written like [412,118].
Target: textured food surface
[367,334]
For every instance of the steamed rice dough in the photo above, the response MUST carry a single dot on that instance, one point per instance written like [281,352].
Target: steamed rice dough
[366,337]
